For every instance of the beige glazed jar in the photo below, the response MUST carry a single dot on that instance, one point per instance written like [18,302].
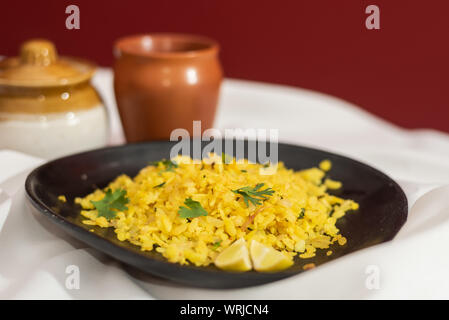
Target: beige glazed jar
[48,108]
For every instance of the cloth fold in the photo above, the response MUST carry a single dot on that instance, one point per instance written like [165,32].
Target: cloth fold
[36,260]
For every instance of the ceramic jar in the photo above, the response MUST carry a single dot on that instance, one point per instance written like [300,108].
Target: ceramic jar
[164,82]
[48,107]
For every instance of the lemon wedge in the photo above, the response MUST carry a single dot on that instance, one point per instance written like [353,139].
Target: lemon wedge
[268,259]
[235,257]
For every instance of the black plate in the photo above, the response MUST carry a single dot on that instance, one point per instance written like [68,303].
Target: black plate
[383,207]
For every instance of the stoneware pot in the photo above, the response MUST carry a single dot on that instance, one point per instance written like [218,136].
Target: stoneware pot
[164,82]
[48,107]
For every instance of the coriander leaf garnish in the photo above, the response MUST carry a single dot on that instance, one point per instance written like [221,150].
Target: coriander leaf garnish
[193,209]
[168,164]
[225,159]
[254,195]
[301,214]
[216,245]
[111,203]
[159,185]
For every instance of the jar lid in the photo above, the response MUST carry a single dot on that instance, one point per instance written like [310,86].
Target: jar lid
[40,66]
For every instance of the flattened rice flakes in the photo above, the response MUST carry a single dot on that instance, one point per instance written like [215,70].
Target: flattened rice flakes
[297,219]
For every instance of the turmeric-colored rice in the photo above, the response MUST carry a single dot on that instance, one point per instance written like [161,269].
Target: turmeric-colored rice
[297,219]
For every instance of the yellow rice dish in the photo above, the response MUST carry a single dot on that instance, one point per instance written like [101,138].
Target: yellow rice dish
[191,212]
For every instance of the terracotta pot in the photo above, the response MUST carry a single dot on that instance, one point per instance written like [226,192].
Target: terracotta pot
[165,81]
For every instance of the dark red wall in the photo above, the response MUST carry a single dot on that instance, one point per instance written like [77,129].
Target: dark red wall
[399,72]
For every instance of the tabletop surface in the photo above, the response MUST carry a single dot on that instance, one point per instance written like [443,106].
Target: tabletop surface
[33,258]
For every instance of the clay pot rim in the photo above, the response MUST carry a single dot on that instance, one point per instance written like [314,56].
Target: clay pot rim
[131,45]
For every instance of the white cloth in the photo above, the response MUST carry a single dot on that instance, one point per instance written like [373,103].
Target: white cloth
[35,258]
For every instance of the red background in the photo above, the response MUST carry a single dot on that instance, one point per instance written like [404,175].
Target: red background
[399,72]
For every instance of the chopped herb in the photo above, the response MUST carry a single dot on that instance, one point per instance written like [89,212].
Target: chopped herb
[243,171]
[159,185]
[168,164]
[301,214]
[325,176]
[331,213]
[254,195]
[225,159]
[216,245]
[266,165]
[250,229]
[193,209]
[111,203]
